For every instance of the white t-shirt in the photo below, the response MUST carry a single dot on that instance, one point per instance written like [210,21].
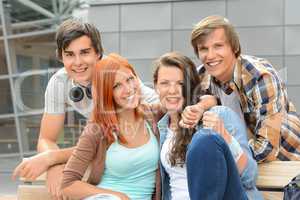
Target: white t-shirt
[57,100]
[177,174]
[230,100]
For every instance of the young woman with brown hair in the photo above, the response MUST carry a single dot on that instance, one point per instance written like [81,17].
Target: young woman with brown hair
[211,161]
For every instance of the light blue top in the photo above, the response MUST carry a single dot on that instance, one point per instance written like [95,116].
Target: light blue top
[132,170]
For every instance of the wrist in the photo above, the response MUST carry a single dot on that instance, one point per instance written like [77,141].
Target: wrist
[51,159]
[208,101]
[236,149]
[201,108]
[227,137]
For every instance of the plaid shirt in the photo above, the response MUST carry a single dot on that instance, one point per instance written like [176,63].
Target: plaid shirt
[273,124]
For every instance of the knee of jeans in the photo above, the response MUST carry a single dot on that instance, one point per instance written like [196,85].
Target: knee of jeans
[220,109]
[205,139]
[232,121]
[249,175]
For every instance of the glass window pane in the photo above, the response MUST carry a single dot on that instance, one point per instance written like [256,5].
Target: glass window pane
[34,53]
[24,63]
[1,29]
[21,13]
[29,91]
[74,124]
[30,127]
[46,63]
[3,63]
[9,148]
[5,100]
[8,163]
[8,137]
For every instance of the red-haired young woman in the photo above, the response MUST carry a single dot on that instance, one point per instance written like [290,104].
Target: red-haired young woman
[118,142]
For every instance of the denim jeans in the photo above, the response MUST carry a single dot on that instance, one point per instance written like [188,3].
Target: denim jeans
[211,170]
[237,128]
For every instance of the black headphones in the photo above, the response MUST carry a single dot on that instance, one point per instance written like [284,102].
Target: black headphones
[76,93]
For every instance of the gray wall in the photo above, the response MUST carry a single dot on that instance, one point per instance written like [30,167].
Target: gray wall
[143,30]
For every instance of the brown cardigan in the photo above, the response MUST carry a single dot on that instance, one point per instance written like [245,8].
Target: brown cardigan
[91,149]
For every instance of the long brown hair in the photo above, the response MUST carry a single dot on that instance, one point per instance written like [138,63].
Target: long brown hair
[104,111]
[190,91]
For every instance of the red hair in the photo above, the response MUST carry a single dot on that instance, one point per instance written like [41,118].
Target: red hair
[104,111]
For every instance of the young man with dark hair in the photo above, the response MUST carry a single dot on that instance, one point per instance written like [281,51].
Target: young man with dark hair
[79,48]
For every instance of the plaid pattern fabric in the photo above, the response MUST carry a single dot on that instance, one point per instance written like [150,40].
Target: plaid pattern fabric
[272,121]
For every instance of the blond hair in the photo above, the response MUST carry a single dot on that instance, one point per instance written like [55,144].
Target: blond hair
[207,25]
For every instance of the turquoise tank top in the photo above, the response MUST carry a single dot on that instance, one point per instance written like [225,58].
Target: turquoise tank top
[132,170]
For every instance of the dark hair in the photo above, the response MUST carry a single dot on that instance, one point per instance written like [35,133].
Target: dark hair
[191,92]
[74,28]
[207,25]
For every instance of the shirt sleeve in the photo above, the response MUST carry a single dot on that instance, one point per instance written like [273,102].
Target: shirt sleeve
[55,96]
[81,157]
[266,101]
[148,94]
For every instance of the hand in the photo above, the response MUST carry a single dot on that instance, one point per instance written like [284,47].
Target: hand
[208,100]
[191,116]
[31,168]
[212,121]
[54,179]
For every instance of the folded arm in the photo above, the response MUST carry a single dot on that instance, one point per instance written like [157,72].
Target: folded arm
[266,99]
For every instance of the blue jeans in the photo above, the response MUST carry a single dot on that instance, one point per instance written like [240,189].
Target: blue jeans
[211,170]
[237,128]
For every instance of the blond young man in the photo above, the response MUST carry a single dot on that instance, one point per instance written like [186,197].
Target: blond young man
[250,86]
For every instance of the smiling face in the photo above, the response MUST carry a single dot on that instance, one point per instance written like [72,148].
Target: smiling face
[169,88]
[79,59]
[217,55]
[126,90]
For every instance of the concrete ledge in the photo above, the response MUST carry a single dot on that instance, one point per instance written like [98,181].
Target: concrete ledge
[8,197]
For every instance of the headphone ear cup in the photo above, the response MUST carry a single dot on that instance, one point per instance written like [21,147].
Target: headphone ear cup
[76,94]
[88,91]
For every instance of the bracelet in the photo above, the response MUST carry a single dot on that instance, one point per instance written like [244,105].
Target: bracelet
[236,149]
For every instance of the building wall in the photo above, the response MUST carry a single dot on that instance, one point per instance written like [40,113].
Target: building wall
[143,30]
